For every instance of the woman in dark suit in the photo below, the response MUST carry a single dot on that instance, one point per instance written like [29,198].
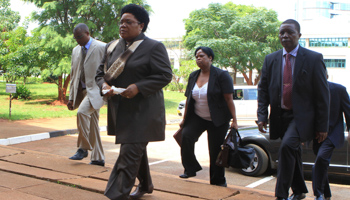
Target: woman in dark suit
[209,107]
[137,115]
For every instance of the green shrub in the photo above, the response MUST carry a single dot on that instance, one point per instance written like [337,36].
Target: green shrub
[34,80]
[22,92]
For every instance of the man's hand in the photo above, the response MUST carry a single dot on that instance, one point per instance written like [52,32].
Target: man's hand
[70,105]
[321,136]
[262,127]
[130,92]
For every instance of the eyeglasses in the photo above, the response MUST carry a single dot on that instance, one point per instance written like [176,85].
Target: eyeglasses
[78,37]
[127,23]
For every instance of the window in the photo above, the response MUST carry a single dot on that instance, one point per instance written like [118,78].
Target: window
[302,42]
[238,95]
[250,94]
[335,63]
[328,42]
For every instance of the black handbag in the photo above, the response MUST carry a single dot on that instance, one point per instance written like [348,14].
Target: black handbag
[233,154]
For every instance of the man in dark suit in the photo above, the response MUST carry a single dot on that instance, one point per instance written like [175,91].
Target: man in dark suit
[339,104]
[294,84]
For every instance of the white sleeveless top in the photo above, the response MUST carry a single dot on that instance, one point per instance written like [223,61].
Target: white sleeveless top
[201,107]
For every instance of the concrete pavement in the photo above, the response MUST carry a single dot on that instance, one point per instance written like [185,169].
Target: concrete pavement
[28,174]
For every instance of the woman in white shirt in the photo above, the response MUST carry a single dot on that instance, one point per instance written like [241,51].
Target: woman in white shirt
[209,107]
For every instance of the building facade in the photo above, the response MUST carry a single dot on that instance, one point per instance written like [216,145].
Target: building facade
[325,28]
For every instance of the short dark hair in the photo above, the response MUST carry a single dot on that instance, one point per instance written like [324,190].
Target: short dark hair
[81,26]
[139,12]
[206,50]
[292,21]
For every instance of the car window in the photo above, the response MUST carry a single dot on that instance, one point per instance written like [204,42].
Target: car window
[250,94]
[238,94]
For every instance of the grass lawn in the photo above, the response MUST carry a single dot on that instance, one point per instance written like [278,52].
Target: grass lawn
[44,94]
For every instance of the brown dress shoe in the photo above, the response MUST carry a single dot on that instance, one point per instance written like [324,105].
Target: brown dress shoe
[139,192]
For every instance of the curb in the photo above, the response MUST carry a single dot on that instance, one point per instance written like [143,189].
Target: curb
[38,136]
[48,135]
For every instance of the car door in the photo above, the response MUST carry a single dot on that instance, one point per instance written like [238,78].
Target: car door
[348,152]
[240,104]
[250,98]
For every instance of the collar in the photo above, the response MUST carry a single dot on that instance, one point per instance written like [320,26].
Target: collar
[87,46]
[139,37]
[293,52]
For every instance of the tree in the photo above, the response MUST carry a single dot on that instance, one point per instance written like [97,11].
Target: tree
[101,16]
[241,36]
[8,19]
[57,21]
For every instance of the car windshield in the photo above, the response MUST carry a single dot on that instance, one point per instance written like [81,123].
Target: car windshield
[250,94]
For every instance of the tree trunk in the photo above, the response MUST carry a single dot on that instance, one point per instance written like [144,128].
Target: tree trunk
[250,77]
[62,88]
[246,78]
[257,79]
[60,91]
[235,77]
[65,88]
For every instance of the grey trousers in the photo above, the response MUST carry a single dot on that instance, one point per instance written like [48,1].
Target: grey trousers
[89,132]
[131,163]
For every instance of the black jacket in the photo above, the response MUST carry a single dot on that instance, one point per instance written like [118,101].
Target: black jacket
[220,82]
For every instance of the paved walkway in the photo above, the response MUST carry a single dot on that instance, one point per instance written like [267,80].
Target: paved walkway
[27,174]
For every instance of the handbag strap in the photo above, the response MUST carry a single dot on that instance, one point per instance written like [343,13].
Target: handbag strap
[234,133]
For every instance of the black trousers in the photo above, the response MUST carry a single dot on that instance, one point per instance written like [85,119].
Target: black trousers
[131,163]
[192,130]
[290,168]
[320,182]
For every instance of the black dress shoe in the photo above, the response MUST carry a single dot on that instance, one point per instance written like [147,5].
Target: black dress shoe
[97,162]
[279,198]
[79,155]
[223,185]
[139,192]
[297,196]
[320,198]
[187,175]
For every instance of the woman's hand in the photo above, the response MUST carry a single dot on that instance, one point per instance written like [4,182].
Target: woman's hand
[234,124]
[181,123]
[130,92]
[105,86]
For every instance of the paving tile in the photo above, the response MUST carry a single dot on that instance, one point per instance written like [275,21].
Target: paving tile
[35,172]
[160,195]
[56,163]
[15,181]
[88,183]
[17,195]
[2,189]
[4,151]
[244,195]
[104,175]
[56,191]
[190,188]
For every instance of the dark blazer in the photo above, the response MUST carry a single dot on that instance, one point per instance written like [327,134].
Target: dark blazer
[220,82]
[310,94]
[340,104]
[142,118]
